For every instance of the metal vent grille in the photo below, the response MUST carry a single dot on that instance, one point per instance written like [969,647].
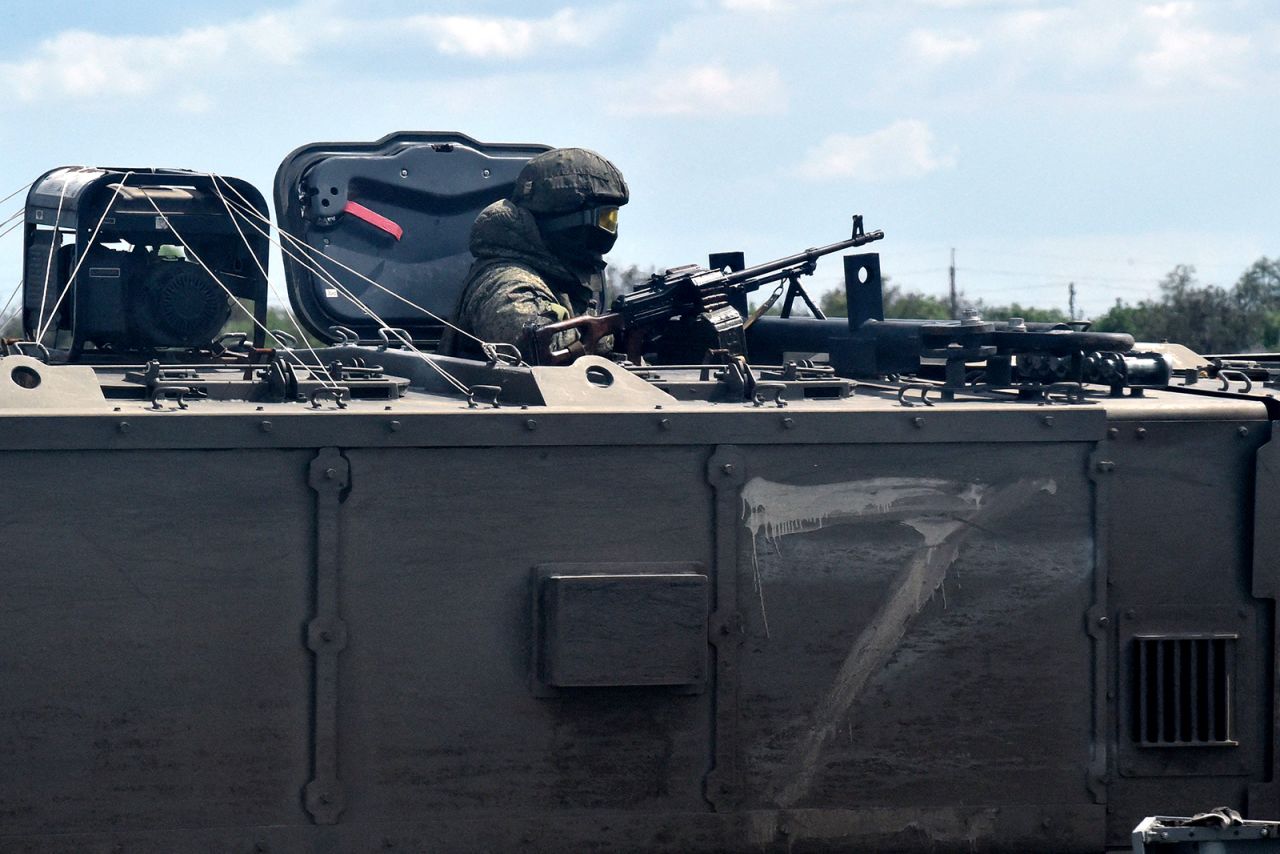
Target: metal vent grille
[1184,686]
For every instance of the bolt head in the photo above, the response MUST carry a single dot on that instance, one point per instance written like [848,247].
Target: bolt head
[727,468]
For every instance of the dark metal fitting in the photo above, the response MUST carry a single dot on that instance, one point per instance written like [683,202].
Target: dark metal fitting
[1141,432]
[338,395]
[788,423]
[177,392]
[492,392]
[1242,431]
[917,421]
[530,424]
[344,335]
[388,333]
[770,391]
[265,426]
[394,426]
[664,424]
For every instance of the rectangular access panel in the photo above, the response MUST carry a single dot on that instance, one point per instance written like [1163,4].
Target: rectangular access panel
[627,627]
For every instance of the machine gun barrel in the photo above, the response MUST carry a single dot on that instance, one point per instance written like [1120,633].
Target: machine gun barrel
[701,298]
[751,278]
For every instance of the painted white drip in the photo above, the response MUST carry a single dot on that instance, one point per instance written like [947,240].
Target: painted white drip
[927,504]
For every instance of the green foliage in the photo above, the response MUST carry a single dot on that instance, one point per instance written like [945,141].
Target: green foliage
[913,305]
[277,319]
[1206,318]
[1026,312]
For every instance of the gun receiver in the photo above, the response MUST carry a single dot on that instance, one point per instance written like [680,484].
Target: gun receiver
[690,308]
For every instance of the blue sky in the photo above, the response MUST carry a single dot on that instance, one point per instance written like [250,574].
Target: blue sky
[1048,142]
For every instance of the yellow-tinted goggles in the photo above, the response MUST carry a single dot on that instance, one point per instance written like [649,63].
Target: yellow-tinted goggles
[605,217]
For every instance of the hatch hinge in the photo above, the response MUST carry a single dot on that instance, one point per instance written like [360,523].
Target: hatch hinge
[326,635]
[726,474]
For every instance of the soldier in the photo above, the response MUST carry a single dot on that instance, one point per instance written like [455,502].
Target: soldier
[539,254]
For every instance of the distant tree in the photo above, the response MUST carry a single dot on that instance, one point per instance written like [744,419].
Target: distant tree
[1257,292]
[1206,318]
[897,303]
[1026,312]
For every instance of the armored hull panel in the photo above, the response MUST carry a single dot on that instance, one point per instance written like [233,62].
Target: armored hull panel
[598,617]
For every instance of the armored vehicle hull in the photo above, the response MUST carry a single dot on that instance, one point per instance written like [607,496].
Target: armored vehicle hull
[867,586]
[604,622]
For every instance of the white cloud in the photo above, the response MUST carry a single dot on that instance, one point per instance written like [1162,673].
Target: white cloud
[903,150]
[753,5]
[88,65]
[195,103]
[1122,46]
[508,38]
[700,90]
[936,48]
[974,4]
[1186,53]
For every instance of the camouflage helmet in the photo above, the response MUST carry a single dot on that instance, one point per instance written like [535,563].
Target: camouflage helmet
[568,179]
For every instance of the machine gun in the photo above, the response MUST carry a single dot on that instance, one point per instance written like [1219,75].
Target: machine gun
[689,309]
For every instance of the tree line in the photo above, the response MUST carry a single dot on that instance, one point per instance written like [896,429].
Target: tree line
[1205,317]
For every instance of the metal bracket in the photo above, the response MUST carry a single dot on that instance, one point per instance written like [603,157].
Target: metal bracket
[726,473]
[329,475]
[1098,625]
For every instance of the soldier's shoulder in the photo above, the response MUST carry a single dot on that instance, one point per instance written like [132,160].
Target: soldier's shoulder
[502,282]
[500,274]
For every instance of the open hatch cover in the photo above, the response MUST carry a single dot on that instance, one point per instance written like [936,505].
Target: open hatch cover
[398,212]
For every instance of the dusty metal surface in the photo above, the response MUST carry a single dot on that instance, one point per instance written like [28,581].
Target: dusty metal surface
[902,618]
[972,585]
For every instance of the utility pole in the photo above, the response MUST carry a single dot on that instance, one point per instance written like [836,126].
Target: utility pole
[1071,301]
[955,305]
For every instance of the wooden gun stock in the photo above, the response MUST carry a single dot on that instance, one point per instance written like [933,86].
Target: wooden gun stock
[590,328]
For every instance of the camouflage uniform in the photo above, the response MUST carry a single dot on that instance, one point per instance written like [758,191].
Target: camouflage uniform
[518,280]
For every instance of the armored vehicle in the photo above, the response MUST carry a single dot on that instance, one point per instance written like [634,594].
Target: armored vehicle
[775,584]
